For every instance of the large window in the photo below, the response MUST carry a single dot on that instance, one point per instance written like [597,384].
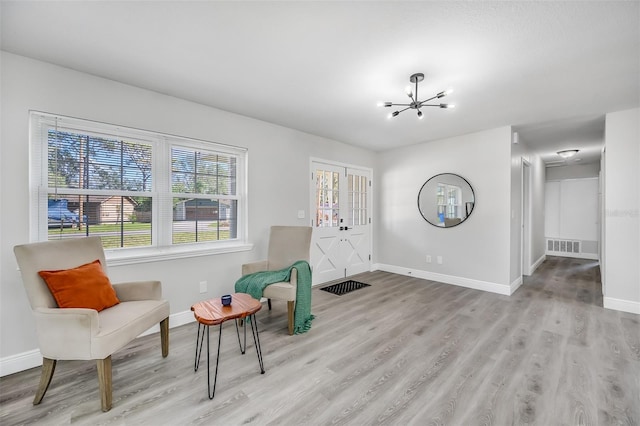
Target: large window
[203,185]
[133,188]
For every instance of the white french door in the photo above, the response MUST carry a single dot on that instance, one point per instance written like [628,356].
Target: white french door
[341,242]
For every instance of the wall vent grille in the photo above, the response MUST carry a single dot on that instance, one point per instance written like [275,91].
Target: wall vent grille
[563,246]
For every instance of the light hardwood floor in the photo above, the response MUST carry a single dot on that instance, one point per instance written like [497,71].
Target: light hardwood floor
[403,351]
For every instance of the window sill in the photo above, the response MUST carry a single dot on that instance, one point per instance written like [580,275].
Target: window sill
[158,254]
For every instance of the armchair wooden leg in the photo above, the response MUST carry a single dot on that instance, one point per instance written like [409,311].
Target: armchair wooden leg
[104,377]
[290,310]
[48,367]
[164,336]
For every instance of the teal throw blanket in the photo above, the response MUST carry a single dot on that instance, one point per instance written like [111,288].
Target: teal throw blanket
[254,284]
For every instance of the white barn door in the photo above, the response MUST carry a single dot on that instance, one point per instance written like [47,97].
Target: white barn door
[341,242]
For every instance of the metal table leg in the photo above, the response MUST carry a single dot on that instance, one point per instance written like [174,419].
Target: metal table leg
[256,341]
[196,363]
[215,378]
[242,349]
[200,341]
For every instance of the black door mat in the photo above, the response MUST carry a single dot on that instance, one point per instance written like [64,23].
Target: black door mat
[344,287]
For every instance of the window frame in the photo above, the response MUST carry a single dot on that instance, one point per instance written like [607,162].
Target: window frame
[161,193]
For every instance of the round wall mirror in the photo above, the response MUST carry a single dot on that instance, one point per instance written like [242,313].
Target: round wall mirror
[446,200]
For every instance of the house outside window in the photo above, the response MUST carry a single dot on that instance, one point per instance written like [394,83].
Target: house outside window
[134,189]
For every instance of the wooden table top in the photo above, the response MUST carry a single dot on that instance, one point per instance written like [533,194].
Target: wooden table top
[212,312]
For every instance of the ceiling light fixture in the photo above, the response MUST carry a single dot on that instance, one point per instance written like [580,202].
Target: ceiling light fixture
[415,103]
[567,153]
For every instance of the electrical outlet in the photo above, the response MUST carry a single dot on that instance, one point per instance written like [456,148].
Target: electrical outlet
[203,286]
[439,260]
[300,214]
[428,258]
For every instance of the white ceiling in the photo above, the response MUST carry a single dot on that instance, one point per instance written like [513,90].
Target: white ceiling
[550,69]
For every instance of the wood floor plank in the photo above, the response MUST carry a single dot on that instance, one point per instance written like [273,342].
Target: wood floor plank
[402,351]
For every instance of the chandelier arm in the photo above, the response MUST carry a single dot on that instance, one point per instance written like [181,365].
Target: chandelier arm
[433,105]
[401,105]
[402,110]
[427,100]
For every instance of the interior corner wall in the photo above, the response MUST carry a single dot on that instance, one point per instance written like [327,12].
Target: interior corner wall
[536,218]
[622,211]
[476,252]
[33,85]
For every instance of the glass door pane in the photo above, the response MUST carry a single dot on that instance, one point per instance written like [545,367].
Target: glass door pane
[327,198]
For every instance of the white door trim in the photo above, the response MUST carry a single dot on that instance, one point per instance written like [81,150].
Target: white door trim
[525,218]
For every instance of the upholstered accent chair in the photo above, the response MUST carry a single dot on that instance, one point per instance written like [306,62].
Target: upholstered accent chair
[287,244]
[82,333]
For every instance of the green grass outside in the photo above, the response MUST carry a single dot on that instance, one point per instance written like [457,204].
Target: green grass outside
[190,237]
[108,227]
[138,239]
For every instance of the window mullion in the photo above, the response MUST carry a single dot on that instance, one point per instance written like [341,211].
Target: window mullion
[163,208]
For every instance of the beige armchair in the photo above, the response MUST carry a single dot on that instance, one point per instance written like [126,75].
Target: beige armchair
[80,333]
[287,244]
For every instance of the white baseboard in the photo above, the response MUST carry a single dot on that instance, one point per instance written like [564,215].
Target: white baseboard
[515,285]
[537,263]
[33,358]
[175,320]
[20,362]
[448,279]
[621,305]
[590,256]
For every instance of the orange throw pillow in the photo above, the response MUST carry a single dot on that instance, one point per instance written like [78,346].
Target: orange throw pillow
[86,286]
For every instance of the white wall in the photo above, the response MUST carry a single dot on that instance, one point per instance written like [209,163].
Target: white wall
[572,209]
[622,211]
[278,159]
[475,253]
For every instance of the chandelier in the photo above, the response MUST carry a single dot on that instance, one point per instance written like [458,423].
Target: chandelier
[415,103]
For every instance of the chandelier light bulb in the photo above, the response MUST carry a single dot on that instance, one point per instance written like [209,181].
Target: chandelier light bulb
[408,91]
